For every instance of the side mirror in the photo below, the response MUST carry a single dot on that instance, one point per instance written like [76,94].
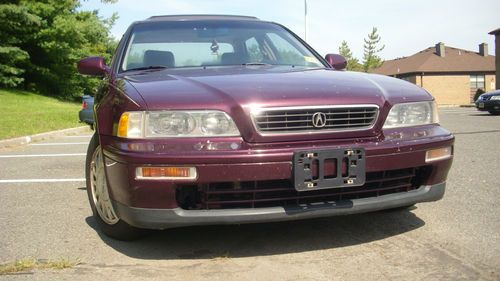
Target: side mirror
[95,66]
[338,62]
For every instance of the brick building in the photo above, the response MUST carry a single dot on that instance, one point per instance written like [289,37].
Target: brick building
[450,74]
[496,33]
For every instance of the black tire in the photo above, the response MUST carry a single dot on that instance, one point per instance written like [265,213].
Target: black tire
[119,230]
[494,112]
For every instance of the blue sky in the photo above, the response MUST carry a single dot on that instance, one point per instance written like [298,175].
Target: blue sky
[406,27]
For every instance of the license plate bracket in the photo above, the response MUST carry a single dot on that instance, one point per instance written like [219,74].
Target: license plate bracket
[333,168]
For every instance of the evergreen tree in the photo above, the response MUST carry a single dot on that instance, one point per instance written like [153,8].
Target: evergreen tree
[42,40]
[17,23]
[352,62]
[371,59]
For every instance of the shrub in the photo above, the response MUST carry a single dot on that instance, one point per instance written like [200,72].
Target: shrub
[478,93]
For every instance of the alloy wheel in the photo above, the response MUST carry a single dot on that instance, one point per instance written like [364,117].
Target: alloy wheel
[99,189]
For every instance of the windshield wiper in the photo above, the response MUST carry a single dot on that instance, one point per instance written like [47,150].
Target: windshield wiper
[256,63]
[146,68]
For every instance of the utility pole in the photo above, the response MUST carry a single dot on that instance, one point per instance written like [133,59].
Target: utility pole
[305,20]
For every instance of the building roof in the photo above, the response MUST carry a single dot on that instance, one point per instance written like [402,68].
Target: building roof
[495,32]
[428,61]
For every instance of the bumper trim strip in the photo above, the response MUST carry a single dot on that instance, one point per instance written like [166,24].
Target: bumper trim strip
[171,218]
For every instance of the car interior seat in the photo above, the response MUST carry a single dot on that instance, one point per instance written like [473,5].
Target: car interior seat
[158,58]
[232,59]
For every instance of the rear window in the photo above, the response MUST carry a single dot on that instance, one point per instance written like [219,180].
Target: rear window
[185,53]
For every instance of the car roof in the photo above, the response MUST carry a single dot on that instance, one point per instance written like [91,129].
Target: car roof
[199,17]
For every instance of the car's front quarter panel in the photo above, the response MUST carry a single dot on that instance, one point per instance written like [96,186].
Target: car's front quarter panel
[397,90]
[118,96]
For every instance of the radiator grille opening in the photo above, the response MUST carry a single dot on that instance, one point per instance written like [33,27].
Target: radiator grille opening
[296,120]
[272,193]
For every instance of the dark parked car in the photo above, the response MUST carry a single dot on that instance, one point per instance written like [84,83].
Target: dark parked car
[86,114]
[489,102]
[229,120]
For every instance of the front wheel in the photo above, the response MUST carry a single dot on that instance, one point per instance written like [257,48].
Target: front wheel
[98,194]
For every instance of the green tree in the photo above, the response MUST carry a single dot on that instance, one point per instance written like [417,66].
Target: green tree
[17,23]
[352,62]
[42,40]
[371,59]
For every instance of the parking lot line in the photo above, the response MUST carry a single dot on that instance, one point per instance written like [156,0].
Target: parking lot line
[58,143]
[41,180]
[457,111]
[42,155]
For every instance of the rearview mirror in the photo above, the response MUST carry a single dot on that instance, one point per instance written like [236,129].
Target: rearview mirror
[338,62]
[95,66]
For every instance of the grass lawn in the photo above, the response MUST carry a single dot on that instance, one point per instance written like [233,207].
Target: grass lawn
[25,113]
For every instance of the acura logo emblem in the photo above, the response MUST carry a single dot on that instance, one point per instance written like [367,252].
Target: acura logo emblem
[319,120]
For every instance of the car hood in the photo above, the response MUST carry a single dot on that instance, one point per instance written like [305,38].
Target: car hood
[238,90]
[491,94]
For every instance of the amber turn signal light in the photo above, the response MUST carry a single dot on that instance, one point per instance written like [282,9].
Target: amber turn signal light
[166,173]
[123,125]
[438,154]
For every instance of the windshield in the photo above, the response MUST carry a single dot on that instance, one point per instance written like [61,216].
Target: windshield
[213,43]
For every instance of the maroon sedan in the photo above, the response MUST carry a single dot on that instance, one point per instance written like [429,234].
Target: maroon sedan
[229,120]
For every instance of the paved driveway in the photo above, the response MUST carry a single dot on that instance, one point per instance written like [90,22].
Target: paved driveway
[44,214]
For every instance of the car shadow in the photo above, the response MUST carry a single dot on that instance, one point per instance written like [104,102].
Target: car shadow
[208,242]
[481,114]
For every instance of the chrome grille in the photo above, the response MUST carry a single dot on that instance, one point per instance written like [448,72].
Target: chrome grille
[300,119]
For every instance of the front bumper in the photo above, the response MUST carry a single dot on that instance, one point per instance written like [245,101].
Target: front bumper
[177,217]
[488,105]
[399,149]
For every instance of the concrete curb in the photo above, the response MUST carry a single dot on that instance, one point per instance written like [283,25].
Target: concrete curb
[43,136]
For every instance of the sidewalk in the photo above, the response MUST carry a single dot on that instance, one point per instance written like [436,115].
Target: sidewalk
[43,136]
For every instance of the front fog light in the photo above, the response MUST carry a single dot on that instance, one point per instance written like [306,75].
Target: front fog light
[438,154]
[166,173]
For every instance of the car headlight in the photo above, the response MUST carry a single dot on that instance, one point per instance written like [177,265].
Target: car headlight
[412,114]
[157,124]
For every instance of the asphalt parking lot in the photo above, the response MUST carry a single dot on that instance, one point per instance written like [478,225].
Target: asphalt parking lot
[44,214]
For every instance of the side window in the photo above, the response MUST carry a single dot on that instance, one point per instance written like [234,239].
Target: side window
[287,53]
[253,50]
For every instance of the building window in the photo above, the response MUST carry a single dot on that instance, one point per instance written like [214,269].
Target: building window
[410,78]
[477,82]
